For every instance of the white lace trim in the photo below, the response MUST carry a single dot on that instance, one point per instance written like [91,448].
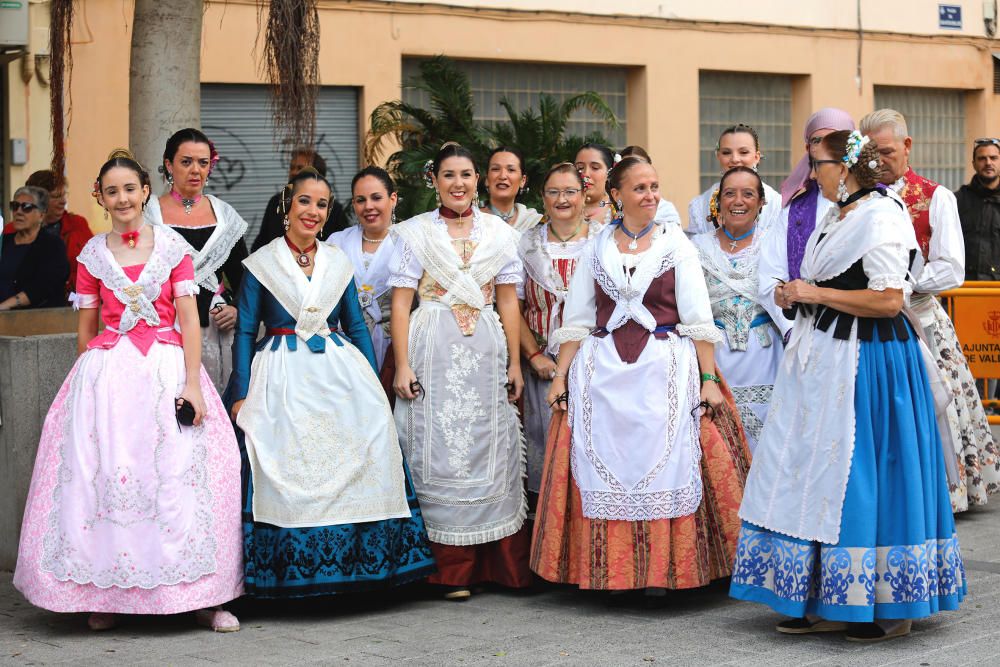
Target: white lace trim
[705,332]
[403,281]
[890,281]
[509,279]
[569,334]
[185,288]
[229,229]
[85,300]
[137,297]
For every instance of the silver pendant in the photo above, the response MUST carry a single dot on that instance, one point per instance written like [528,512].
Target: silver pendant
[633,244]
[303,260]
[732,245]
[364,298]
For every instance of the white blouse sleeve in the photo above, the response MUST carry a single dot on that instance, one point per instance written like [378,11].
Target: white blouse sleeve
[886,268]
[511,273]
[696,217]
[945,266]
[580,307]
[693,305]
[405,269]
[773,266]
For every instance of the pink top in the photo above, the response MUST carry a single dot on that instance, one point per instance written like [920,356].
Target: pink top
[142,335]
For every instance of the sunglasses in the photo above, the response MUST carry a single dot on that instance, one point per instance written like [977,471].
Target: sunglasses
[986,141]
[27,207]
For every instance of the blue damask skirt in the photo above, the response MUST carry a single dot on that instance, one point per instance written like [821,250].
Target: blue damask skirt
[325,560]
[898,555]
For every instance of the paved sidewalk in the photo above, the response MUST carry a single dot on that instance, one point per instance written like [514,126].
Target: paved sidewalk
[553,626]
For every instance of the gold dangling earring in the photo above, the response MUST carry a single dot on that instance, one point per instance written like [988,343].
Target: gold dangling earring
[105,213]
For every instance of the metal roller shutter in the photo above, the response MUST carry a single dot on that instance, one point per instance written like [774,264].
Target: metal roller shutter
[237,117]
[762,101]
[936,121]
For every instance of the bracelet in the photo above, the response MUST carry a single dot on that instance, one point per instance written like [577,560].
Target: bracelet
[708,377]
[557,374]
[537,352]
[17,300]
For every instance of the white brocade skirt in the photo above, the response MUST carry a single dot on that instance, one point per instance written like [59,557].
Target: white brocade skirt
[750,375]
[320,439]
[635,448]
[462,437]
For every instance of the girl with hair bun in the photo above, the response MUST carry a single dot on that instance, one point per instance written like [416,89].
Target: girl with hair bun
[458,373]
[640,488]
[214,231]
[738,145]
[594,161]
[329,507]
[861,538]
[134,501]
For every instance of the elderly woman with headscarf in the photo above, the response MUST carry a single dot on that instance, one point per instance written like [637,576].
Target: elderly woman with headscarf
[802,208]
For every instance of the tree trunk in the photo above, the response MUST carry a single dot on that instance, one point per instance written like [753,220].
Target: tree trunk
[164,77]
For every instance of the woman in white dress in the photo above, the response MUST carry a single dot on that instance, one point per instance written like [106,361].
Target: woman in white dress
[456,380]
[750,351]
[549,253]
[738,146]
[214,231]
[369,247]
[505,180]
[651,498]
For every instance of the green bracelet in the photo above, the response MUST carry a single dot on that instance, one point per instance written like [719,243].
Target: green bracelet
[706,377]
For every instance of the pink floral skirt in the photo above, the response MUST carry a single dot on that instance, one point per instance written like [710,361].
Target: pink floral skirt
[127,511]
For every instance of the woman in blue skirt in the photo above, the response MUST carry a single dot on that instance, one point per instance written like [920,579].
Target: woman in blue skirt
[847,524]
[328,505]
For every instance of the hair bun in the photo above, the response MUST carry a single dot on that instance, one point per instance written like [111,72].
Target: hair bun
[121,152]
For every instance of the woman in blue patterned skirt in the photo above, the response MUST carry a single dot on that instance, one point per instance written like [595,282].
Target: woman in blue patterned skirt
[847,525]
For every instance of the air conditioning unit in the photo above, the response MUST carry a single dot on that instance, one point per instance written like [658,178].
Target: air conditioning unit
[13,25]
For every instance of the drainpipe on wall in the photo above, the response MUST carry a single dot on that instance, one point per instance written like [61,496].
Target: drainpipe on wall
[861,41]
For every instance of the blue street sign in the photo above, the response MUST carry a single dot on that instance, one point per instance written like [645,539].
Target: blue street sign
[950,17]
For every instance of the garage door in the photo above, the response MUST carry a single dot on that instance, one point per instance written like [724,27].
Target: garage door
[936,120]
[252,167]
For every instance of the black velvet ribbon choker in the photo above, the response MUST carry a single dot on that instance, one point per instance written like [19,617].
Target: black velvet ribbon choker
[863,192]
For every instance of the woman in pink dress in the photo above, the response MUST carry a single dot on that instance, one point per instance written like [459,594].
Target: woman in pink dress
[129,511]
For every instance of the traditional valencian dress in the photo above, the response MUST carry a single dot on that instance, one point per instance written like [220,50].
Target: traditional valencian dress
[328,505]
[941,266]
[218,252]
[751,349]
[129,512]
[371,280]
[634,494]
[461,434]
[846,512]
[549,267]
[699,216]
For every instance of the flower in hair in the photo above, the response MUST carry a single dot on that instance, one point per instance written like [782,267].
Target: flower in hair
[855,142]
[428,170]
[873,164]
[617,159]
[713,205]
[213,157]
[96,192]
[588,182]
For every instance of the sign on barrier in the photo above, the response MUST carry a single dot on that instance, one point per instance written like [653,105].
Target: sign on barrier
[977,322]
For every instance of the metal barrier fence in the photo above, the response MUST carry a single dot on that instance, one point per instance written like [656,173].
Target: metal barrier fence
[974,309]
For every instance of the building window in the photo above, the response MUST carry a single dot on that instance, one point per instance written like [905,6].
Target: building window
[762,101]
[936,121]
[521,83]
[237,118]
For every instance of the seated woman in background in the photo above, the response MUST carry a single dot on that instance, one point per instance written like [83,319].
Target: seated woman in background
[33,266]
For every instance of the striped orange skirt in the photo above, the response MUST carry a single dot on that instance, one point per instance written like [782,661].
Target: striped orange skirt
[601,554]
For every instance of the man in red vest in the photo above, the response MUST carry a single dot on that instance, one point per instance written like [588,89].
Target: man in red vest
[940,266]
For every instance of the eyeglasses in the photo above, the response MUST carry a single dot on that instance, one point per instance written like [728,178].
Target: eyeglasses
[986,141]
[25,206]
[569,193]
[815,163]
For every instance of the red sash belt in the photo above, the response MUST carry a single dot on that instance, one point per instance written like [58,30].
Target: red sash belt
[278,331]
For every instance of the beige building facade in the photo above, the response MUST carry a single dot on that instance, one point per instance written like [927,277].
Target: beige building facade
[678,71]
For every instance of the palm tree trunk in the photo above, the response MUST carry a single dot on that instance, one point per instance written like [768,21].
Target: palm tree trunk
[164,76]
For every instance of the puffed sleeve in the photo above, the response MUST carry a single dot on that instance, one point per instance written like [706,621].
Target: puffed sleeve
[249,307]
[352,323]
[182,278]
[580,308]
[693,305]
[405,269]
[772,267]
[87,289]
[511,273]
[886,268]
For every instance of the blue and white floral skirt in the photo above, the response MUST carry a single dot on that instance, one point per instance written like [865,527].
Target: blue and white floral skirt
[898,555]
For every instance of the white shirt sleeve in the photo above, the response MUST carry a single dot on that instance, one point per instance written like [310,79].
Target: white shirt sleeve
[945,266]
[405,269]
[580,307]
[772,267]
[512,273]
[886,268]
[693,305]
